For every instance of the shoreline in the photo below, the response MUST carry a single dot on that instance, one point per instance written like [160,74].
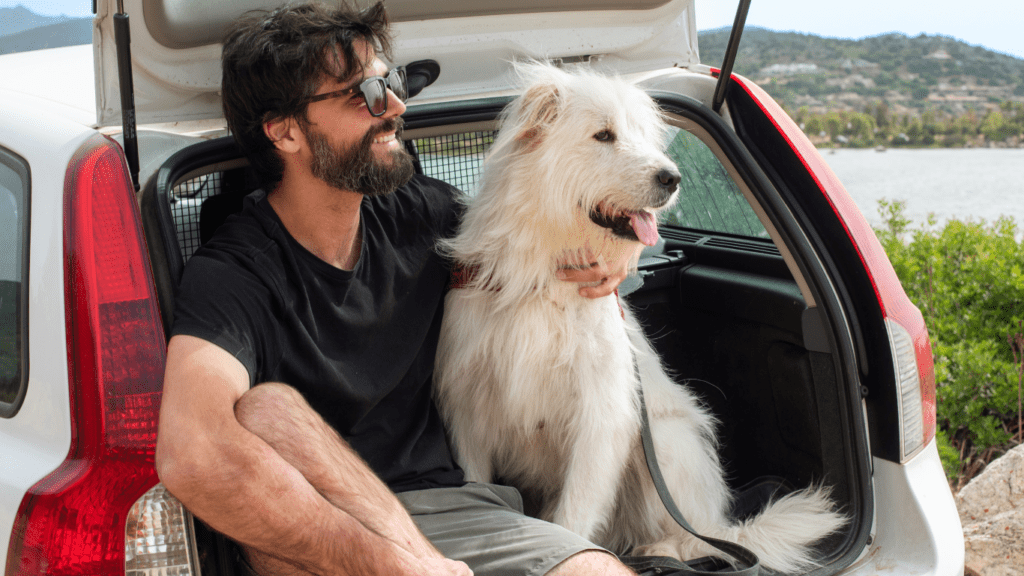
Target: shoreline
[991,146]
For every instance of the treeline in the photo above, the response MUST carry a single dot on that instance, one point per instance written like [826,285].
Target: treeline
[933,128]
[967,278]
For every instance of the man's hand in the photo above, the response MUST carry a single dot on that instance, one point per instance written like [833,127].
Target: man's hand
[458,568]
[599,278]
[440,567]
[429,565]
[597,281]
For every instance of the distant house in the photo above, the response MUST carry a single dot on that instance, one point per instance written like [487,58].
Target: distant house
[939,54]
[790,69]
[847,82]
[851,64]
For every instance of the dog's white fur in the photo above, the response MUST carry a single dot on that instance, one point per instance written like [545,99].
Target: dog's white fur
[537,384]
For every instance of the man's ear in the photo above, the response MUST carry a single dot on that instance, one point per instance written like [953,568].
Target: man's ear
[284,133]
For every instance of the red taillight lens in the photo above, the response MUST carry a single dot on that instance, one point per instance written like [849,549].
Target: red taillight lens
[73,521]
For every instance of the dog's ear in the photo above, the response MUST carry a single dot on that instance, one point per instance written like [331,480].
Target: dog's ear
[538,108]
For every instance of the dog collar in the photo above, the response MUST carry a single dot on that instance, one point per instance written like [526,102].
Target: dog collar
[463,275]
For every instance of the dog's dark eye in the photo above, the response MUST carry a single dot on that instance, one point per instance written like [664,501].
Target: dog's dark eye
[604,136]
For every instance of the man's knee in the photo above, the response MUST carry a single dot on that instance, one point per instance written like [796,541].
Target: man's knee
[266,402]
[591,563]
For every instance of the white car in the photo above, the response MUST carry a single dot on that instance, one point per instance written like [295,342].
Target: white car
[770,294]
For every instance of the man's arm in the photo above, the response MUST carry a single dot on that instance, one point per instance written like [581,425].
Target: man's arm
[241,486]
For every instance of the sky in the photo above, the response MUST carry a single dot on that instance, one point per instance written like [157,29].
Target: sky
[53,7]
[994,24]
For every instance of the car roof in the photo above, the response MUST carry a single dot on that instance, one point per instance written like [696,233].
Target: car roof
[176,45]
[61,79]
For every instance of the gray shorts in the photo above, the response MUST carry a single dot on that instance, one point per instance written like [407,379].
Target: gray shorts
[484,526]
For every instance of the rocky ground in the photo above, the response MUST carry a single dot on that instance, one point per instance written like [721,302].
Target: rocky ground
[992,513]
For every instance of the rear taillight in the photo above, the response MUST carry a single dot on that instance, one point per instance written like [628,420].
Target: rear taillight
[158,537]
[74,520]
[915,385]
[908,336]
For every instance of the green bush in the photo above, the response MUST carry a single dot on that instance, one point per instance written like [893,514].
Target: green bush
[968,280]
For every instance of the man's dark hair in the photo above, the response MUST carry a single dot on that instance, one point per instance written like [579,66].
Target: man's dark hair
[274,61]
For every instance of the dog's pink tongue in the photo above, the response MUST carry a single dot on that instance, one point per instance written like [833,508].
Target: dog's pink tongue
[645,226]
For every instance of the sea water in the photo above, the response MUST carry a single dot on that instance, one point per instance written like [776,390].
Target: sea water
[950,183]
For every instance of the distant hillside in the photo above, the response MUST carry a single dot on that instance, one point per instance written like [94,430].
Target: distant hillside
[915,73]
[19,18]
[21,31]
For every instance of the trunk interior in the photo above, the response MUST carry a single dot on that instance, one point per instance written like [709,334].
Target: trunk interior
[723,302]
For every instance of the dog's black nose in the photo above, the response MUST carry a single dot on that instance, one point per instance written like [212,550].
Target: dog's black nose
[668,179]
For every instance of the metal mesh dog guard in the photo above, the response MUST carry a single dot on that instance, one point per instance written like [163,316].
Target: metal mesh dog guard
[454,158]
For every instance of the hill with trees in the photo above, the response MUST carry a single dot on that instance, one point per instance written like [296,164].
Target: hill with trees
[884,90]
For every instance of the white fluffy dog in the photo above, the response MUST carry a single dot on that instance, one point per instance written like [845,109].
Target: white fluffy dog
[537,383]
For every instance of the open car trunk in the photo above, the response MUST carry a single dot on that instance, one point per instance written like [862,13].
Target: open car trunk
[736,299]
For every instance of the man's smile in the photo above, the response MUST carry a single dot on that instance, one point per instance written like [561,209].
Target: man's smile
[386,139]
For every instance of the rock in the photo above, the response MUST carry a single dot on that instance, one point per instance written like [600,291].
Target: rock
[992,512]
[999,488]
[993,547]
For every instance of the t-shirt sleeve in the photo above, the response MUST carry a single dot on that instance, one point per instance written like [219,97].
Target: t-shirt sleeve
[223,303]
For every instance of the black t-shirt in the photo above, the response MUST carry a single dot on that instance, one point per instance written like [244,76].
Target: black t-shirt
[359,345]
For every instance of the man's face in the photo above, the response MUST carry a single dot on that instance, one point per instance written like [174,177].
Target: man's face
[350,149]
[356,167]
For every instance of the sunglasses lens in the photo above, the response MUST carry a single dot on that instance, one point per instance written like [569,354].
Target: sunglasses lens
[376,96]
[398,84]
[375,90]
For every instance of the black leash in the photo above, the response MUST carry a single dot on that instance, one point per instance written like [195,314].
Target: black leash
[748,563]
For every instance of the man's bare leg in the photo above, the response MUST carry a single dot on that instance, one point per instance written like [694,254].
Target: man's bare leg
[280,416]
[591,562]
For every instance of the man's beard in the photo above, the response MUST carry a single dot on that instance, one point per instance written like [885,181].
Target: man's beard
[357,168]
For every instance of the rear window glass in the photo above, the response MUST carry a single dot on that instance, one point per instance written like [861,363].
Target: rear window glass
[709,198]
[13,274]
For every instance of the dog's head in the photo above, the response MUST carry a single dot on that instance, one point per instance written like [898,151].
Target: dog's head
[590,144]
[576,175]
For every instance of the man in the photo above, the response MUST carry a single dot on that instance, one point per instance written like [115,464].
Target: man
[297,392]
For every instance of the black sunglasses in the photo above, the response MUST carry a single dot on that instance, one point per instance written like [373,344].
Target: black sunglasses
[375,91]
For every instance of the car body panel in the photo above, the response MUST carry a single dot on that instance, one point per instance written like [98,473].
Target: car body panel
[917,528]
[40,432]
[59,79]
[178,25]
[182,81]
